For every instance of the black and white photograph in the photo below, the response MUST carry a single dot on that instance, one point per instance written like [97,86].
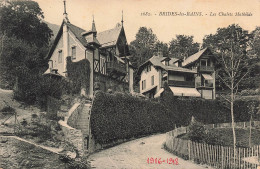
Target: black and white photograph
[129,84]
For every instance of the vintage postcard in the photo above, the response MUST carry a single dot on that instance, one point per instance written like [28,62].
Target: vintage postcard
[129,84]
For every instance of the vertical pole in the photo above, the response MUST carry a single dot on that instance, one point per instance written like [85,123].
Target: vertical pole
[244,153]
[189,148]
[15,121]
[222,157]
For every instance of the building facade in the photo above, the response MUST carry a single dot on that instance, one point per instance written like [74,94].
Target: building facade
[159,70]
[107,53]
[203,62]
[192,77]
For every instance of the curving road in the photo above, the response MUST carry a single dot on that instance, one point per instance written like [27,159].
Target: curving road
[134,155]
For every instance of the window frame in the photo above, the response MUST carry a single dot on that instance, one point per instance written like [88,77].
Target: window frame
[60,55]
[73,48]
[152,80]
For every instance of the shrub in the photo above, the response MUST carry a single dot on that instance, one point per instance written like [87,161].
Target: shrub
[24,123]
[196,131]
[121,116]
[7,110]
[248,92]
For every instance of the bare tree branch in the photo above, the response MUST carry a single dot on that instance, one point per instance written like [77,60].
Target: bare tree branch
[224,82]
[225,98]
[236,92]
[237,66]
[240,79]
[225,65]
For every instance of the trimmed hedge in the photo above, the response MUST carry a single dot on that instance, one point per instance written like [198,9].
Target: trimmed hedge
[121,116]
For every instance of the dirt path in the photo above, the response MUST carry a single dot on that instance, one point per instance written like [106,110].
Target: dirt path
[134,155]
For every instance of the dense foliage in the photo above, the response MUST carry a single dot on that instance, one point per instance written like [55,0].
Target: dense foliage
[79,75]
[121,116]
[183,46]
[24,40]
[24,20]
[242,46]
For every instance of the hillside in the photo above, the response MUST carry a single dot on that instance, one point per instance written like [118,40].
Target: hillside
[55,28]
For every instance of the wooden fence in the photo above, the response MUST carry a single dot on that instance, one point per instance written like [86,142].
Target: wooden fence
[213,155]
[255,124]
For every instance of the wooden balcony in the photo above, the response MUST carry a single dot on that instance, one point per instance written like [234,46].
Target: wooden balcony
[205,69]
[208,85]
[181,83]
[116,68]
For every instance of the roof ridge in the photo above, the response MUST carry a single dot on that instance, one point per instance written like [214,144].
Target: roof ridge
[76,26]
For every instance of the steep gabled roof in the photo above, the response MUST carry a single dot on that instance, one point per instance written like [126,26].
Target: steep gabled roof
[56,40]
[157,62]
[77,31]
[194,57]
[105,39]
[109,37]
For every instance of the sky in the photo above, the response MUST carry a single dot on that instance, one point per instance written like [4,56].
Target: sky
[108,13]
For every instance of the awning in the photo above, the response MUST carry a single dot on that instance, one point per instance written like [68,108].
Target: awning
[207,77]
[149,89]
[182,91]
[49,72]
[158,94]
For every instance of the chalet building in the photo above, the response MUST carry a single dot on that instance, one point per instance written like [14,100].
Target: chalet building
[107,52]
[191,77]
[203,62]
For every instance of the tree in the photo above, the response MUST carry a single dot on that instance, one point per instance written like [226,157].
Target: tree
[23,46]
[231,45]
[143,46]
[163,47]
[183,46]
[255,43]
[24,20]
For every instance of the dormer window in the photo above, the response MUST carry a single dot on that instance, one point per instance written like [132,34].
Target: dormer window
[73,52]
[148,68]
[60,56]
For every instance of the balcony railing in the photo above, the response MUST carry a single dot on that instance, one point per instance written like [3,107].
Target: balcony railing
[181,83]
[207,85]
[114,66]
[205,69]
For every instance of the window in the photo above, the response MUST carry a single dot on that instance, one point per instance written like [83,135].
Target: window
[103,65]
[60,56]
[208,62]
[148,68]
[152,80]
[73,52]
[203,62]
[143,84]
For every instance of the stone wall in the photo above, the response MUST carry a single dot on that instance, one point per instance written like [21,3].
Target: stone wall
[80,120]
[72,135]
